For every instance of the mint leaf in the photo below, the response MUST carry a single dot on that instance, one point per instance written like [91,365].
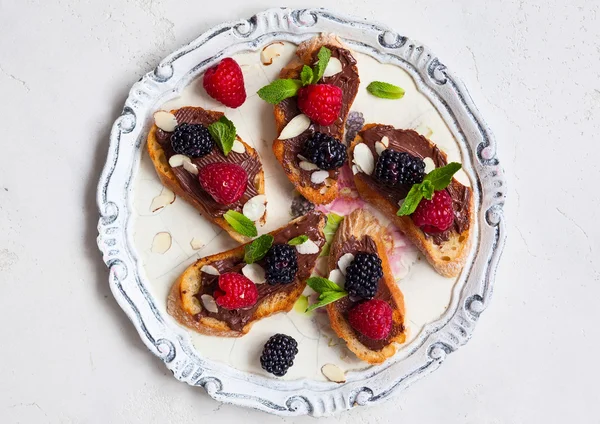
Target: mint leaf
[326,299]
[323,56]
[240,223]
[224,133]
[333,222]
[323,285]
[426,188]
[257,250]
[440,178]
[306,75]
[298,240]
[385,90]
[279,90]
[301,305]
[415,195]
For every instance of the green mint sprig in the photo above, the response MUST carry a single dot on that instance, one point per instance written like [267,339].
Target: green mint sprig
[298,240]
[385,90]
[241,223]
[257,250]
[282,89]
[328,291]
[436,180]
[333,222]
[224,133]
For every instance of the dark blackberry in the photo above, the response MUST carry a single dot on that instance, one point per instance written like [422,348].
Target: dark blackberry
[325,151]
[193,140]
[282,264]
[301,206]
[394,168]
[363,275]
[354,124]
[278,354]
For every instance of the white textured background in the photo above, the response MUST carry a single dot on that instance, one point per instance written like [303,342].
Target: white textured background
[69,355]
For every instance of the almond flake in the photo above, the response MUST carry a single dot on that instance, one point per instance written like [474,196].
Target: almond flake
[238,147]
[429,165]
[333,373]
[270,52]
[337,277]
[190,167]
[355,169]
[209,269]
[363,157]
[344,262]
[379,148]
[166,121]
[255,208]
[333,67]
[209,303]
[295,127]
[302,158]
[178,160]
[323,190]
[307,166]
[196,243]
[385,141]
[307,248]
[255,273]
[319,177]
[165,198]
[329,182]
[161,243]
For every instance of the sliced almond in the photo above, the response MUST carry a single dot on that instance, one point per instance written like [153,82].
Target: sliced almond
[323,190]
[309,247]
[303,158]
[319,177]
[333,67]
[164,120]
[379,147]
[337,277]
[165,198]
[355,169]
[329,182]
[271,52]
[161,243]
[209,303]
[333,373]
[307,166]
[190,167]
[363,157]
[344,262]
[209,269]
[255,273]
[429,165]
[385,141]
[295,127]
[178,160]
[255,208]
[196,243]
[238,147]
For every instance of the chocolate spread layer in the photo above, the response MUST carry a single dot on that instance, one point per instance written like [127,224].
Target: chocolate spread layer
[237,319]
[348,81]
[190,183]
[412,142]
[367,245]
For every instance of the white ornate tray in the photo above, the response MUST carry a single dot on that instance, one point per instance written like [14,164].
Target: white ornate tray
[140,277]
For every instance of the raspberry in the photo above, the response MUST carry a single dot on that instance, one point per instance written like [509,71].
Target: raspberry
[322,103]
[193,140]
[395,168]
[363,275]
[225,182]
[435,215]
[224,82]
[282,264]
[236,292]
[325,151]
[372,319]
[278,354]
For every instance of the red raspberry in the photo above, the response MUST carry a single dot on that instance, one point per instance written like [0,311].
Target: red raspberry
[372,318]
[322,103]
[224,82]
[237,292]
[225,182]
[435,215]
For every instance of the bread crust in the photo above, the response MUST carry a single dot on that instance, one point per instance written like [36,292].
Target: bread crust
[183,306]
[359,224]
[304,56]
[447,259]
[169,180]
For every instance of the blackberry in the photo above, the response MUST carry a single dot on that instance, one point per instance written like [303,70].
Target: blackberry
[363,275]
[282,264]
[192,140]
[354,124]
[325,151]
[301,206]
[278,354]
[394,168]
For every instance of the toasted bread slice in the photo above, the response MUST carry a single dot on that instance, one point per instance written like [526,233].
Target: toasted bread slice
[446,252]
[360,232]
[191,192]
[286,151]
[186,307]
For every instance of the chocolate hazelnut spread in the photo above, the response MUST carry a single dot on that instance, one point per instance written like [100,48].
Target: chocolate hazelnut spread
[190,183]
[415,144]
[348,81]
[237,319]
[366,244]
